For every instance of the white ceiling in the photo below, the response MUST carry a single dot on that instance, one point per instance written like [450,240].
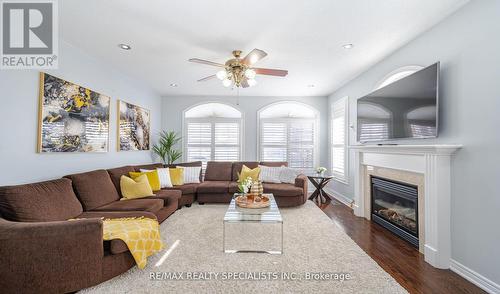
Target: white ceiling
[305,37]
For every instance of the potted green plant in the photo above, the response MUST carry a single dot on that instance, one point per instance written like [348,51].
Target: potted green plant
[165,147]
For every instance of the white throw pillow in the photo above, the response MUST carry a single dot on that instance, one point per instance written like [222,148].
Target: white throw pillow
[288,175]
[163,175]
[191,174]
[270,174]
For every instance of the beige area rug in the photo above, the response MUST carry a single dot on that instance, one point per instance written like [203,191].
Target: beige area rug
[312,244]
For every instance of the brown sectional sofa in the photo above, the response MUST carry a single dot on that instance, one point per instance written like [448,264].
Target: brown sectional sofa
[41,251]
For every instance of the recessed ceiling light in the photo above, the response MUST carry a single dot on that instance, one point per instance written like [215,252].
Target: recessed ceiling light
[174,85]
[124,46]
[310,86]
[348,46]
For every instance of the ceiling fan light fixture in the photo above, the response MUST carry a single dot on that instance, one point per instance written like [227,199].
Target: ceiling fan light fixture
[252,82]
[227,83]
[254,58]
[250,74]
[221,75]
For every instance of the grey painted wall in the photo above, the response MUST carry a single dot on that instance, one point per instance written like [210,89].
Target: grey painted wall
[19,113]
[173,108]
[468,46]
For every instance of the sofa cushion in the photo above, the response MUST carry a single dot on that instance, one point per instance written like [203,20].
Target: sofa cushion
[274,163]
[151,205]
[168,196]
[45,201]
[176,176]
[186,188]
[135,189]
[282,189]
[194,163]
[151,166]
[116,173]
[238,165]
[218,171]
[152,177]
[94,188]
[212,187]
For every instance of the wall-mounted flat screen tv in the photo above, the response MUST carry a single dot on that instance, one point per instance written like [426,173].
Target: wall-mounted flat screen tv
[405,109]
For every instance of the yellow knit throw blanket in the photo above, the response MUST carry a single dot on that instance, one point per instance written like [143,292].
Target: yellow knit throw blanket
[142,236]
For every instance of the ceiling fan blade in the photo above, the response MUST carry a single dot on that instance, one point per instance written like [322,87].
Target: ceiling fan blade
[206,78]
[271,72]
[254,56]
[202,61]
[244,83]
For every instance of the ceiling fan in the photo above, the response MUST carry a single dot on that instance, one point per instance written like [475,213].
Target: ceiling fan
[239,72]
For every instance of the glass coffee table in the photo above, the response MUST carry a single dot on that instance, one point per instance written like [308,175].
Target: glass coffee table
[253,230]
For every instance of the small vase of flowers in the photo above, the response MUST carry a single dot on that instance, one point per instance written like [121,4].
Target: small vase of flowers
[321,171]
[244,186]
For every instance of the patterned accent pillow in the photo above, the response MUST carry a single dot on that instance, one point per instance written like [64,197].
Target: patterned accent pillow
[191,174]
[270,174]
[163,175]
[288,175]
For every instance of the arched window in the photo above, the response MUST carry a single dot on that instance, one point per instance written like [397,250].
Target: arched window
[288,131]
[212,131]
[397,75]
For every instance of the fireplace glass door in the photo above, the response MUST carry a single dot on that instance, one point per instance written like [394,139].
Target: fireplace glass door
[394,205]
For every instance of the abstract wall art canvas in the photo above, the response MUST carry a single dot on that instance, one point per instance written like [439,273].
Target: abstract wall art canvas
[71,118]
[133,127]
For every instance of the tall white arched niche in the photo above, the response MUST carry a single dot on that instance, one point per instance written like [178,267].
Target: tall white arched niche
[289,131]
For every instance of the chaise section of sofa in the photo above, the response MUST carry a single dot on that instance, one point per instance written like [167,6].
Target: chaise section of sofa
[40,250]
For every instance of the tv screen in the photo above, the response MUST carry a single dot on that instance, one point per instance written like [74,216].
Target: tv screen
[405,109]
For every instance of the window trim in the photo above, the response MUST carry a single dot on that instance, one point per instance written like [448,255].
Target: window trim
[316,120]
[212,120]
[343,179]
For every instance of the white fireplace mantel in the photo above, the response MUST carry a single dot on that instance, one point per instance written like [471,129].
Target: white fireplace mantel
[433,162]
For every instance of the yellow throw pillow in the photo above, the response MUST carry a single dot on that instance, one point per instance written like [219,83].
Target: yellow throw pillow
[248,172]
[177,176]
[133,189]
[153,178]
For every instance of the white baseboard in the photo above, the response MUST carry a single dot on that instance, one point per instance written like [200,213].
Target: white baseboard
[475,278]
[340,197]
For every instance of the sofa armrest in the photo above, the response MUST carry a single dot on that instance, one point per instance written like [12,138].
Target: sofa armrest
[50,257]
[301,181]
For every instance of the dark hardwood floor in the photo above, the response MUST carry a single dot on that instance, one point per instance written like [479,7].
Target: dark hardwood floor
[397,257]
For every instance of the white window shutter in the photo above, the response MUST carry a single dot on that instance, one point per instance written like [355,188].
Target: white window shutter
[227,138]
[212,139]
[290,140]
[273,138]
[339,139]
[199,141]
